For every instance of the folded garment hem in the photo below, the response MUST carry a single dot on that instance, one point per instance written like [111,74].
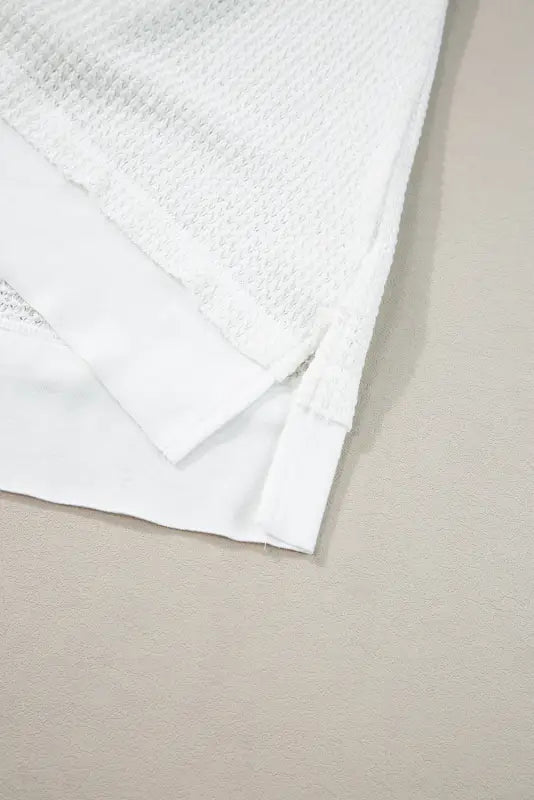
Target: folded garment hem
[135,326]
[248,327]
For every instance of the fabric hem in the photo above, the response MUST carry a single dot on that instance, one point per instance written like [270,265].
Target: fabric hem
[136,327]
[226,304]
[59,482]
[291,509]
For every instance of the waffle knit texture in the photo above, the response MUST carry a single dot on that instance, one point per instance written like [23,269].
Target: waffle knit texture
[17,315]
[258,150]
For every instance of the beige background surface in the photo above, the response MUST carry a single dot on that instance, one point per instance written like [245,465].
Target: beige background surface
[142,664]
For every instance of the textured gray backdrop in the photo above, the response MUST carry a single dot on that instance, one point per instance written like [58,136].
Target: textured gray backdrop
[141,664]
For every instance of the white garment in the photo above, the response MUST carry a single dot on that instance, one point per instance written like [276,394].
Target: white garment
[248,146]
[257,152]
[65,439]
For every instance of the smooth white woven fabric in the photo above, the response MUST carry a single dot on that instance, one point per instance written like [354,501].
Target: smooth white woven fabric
[256,150]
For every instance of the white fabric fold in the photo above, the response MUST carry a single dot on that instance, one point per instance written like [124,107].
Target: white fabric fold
[65,440]
[135,325]
[133,374]
[198,247]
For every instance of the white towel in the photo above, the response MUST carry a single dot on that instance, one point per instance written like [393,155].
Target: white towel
[243,166]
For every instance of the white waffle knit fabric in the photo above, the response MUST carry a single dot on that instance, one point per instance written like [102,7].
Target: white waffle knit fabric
[256,150]
[246,145]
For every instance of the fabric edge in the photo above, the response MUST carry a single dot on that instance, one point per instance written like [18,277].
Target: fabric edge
[222,301]
[139,350]
[310,445]
[52,356]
